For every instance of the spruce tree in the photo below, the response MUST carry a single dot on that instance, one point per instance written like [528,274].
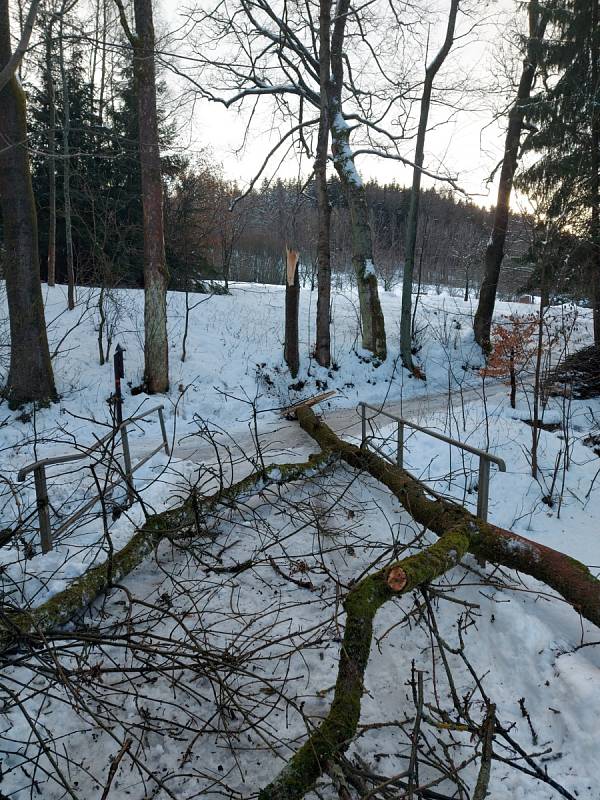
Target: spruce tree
[563,182]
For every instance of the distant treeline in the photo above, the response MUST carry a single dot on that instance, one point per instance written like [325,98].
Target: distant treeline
[213,233]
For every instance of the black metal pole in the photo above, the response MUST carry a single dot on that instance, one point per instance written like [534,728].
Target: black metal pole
[119,373]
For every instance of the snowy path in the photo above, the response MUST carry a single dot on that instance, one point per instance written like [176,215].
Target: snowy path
[284,438]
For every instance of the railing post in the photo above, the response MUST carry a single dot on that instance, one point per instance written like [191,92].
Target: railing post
[119,373]
[483,488]
[164,430]
[400,450]
[127,460]
[43,508]
[363,421]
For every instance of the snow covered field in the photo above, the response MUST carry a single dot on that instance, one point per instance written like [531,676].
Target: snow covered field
[202,730]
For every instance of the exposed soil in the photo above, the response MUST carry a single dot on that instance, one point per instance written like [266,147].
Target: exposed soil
[578,375]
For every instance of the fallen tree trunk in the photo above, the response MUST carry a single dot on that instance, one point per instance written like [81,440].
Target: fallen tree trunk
[567,576]
[362,603]
[460,532]
[172,524]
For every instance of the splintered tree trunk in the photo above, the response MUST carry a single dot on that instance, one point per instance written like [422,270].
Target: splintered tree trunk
[371,315]
[30,375]
[323,343]
[291,351]
[155,268]
[413,211]
[495,249]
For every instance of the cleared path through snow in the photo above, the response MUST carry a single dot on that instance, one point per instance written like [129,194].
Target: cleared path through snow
[285,440]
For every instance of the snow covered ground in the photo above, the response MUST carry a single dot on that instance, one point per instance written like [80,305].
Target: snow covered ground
[283,638]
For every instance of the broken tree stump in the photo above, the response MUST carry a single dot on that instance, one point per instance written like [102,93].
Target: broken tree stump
[291,352]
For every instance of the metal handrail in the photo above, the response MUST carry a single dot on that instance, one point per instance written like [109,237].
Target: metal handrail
[48,462]
[484,457]
[39,470]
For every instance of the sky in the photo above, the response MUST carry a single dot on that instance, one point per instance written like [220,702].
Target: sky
[468,145]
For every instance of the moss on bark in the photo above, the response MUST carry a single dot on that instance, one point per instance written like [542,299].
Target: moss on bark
[65,605]
[460,532]
[361,605]
[567,576]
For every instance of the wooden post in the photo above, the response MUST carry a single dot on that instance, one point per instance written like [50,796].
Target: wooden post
[292,304]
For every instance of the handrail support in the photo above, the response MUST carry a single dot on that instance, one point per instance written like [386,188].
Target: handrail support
[39,471]
[485,458]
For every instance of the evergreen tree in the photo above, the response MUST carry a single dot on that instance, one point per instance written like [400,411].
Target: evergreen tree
[564,180]
[105,178]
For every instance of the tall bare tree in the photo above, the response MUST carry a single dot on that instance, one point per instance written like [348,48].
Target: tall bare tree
[282,41]
[371,315]
[51,161]
[494,252]
[413,212]
[323,338]
[156,276]
[66,154]
[30,375]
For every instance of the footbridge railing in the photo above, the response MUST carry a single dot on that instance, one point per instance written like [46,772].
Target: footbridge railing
[485,458]
[103,451]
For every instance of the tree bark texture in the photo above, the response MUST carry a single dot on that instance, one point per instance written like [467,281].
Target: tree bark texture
[415,193]
[291,350]
[335,733]
[66,133]
[156,276]
[371,315]
[571,579]
[51,95]
[30,374]
[323,339]
[459,532]
[595,175]
[495,248]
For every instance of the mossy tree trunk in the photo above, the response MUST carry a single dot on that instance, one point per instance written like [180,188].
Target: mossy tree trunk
[174,524]
[571,579]
[30,375]
[371,315]
[459,532]
[335,733]
[323,337]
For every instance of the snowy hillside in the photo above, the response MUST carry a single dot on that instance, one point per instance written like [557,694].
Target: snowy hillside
[260,589]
